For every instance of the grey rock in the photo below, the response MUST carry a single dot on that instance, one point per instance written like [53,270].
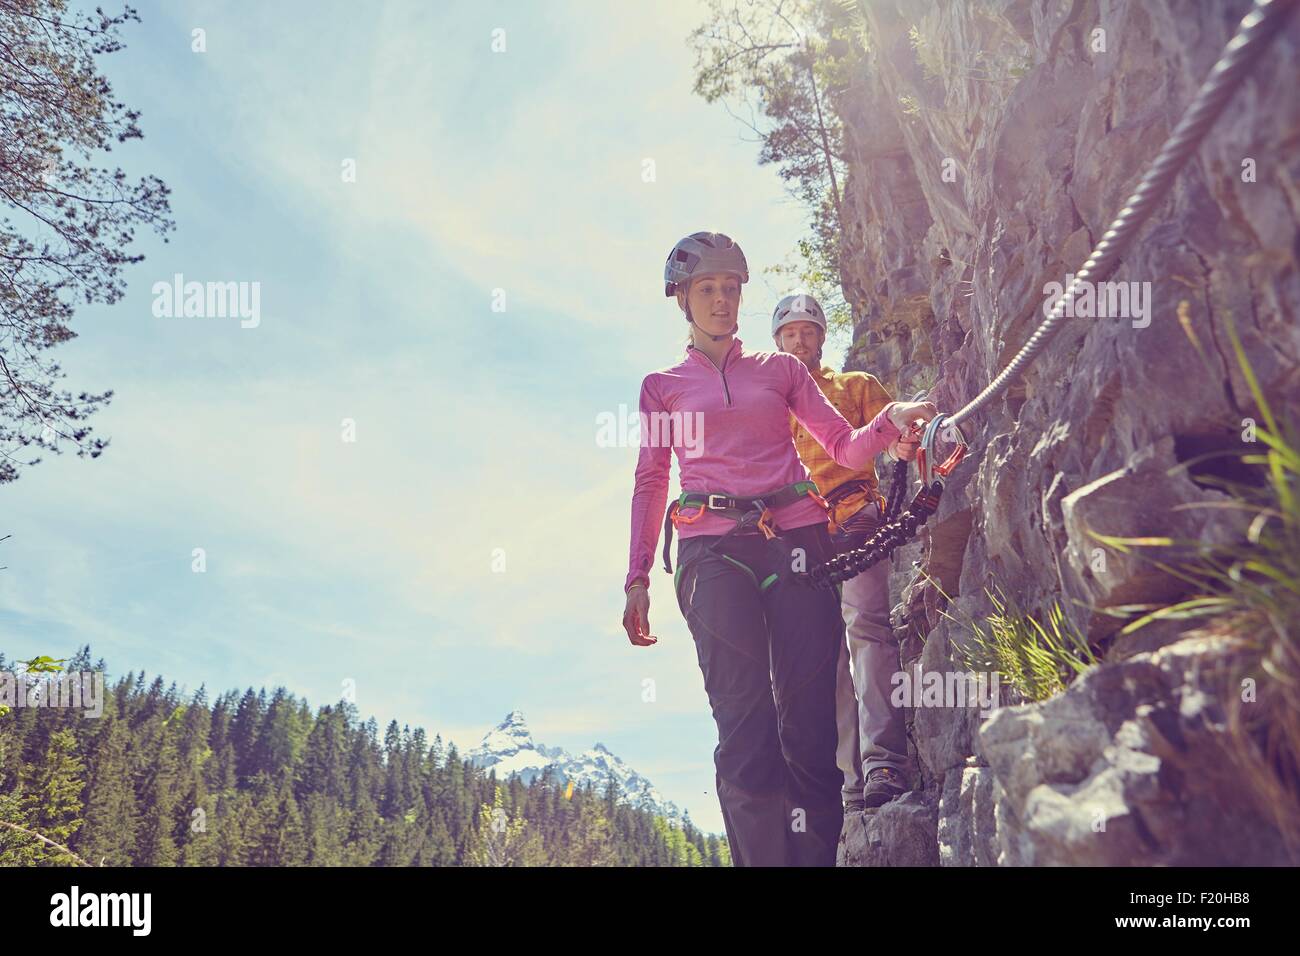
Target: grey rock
[944,736]
[967,818]
[1106,505]
[1130,766]
[901,833]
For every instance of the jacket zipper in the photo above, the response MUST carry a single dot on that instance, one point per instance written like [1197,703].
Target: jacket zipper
[726,392]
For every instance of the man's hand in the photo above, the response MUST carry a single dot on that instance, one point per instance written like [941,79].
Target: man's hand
[636,617]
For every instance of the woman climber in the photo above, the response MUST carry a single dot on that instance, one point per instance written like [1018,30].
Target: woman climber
[750,521]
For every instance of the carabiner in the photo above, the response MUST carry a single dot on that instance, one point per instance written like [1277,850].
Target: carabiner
[925,454]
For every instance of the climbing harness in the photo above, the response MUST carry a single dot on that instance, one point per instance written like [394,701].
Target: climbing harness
[859,523]
[1253,35]
[751,514]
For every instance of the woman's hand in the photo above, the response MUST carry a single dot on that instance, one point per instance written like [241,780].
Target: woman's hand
[636,617]
[903,414]
[910,419]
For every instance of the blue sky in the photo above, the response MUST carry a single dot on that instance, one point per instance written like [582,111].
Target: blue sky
[372,560]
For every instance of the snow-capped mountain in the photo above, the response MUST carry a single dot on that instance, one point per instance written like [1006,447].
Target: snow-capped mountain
[509,749]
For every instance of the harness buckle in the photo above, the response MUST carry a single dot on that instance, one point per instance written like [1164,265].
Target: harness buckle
[713,506]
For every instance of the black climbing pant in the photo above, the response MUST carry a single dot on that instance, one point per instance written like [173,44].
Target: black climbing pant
[768,647]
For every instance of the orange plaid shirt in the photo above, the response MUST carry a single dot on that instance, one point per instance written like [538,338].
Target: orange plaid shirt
[859,397]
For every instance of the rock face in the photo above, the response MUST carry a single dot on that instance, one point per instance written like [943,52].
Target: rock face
[990,143]
[1131,767]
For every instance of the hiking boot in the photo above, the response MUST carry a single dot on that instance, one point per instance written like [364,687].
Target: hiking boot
[854,806]
[883,785]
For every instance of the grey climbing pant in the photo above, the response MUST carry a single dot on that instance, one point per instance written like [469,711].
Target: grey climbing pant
[769,647]
[872,732]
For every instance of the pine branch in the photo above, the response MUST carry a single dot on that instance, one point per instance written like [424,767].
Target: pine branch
[31,833]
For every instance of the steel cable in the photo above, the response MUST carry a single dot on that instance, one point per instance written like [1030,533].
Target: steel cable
[1257,28]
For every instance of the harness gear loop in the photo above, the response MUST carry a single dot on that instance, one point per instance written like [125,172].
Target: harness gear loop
[676,517]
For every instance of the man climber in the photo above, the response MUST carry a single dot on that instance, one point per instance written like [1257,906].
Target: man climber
[872,735]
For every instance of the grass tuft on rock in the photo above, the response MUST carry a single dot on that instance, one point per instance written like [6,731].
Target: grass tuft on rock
[1249,591]
[1036,658]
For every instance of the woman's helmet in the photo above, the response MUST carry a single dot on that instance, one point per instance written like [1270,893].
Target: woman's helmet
[701,253]
[797,307]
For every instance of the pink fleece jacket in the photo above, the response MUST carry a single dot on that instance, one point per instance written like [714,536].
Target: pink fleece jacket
[729,427]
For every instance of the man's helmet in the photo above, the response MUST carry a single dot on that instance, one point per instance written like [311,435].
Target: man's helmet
[702,253]
[797,307]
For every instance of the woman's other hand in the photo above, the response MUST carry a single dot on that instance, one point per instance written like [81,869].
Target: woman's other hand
[904,447]
[636,617]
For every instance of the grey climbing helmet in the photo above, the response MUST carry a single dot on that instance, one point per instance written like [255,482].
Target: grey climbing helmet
[797,307]
[702,253]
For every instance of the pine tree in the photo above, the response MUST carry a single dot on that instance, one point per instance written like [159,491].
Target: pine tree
[109,834]
[323,829]
[280,841]
[237,826]
[278,737]
[68,219]
[51,798]
[324,756]
[244,731]
[155,840]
